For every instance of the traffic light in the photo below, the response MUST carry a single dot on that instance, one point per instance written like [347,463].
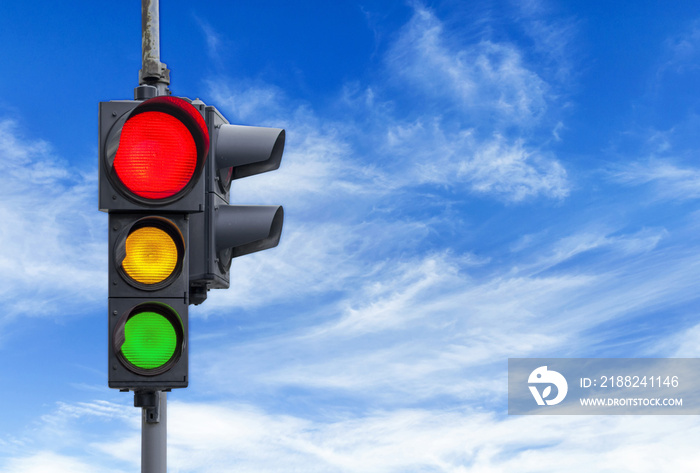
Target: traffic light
[172,232]
[223,232]
[152,155]
[166,167]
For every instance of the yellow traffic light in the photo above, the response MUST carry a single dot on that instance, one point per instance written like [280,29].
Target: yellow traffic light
[151,255]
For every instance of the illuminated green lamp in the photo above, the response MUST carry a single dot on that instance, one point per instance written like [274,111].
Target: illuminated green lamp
[150,340]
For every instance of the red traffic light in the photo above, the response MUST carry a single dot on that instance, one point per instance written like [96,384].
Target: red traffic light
[156,154]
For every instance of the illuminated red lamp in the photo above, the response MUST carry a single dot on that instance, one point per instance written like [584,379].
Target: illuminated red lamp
[163,145]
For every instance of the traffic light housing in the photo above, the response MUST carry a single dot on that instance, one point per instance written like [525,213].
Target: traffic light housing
[152,156]
[166,167]
[226,231]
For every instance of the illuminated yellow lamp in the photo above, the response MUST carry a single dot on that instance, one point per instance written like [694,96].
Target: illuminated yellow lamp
[151,255]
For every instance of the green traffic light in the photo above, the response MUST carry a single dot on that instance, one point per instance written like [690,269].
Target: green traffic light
[150,340]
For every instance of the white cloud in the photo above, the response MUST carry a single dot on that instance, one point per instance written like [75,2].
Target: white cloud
[99,408]
[44,461]
[586,240]
[488,76]
[417,329]
[216,437]
[685,344]
[683,50]
[371,151]
[499,167]
[475,128]
[246,101]
[212,38]
[670,181]
[318,165]
[554,40]
[512,170]
[62,440]
[51,245]
[314,259]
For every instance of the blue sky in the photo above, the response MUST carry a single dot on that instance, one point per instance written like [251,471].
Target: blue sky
[463,182]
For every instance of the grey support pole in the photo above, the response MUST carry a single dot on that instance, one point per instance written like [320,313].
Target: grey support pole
[154,78]
[153,72]
[154,443]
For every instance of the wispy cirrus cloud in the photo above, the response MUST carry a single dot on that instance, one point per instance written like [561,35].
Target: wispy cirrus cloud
[669,180]
[480,103]
[425,328]
[487,77]
[495,166]
[51,240]
[416,327]
[553,39]
[49,461]
[683,51]
[408,439]
[485,85]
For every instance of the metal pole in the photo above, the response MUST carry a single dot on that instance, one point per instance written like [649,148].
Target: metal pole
[153,72]
[154,443]
[153,404]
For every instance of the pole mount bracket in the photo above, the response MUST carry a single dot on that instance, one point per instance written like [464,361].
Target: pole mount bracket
[150,402]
